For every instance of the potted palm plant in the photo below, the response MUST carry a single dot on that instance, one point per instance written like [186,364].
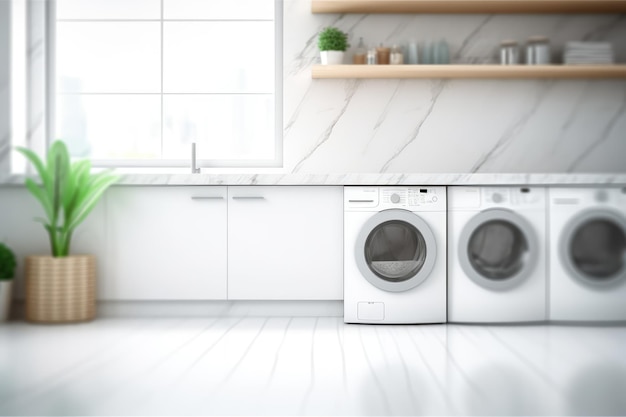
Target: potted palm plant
[7,273]
[62,287]
[332,43]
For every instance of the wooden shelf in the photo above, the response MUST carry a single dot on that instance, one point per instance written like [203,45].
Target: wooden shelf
[468,6]
[470,71]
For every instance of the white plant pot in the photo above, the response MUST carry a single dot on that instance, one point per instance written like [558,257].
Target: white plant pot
[6,294]
[332,57]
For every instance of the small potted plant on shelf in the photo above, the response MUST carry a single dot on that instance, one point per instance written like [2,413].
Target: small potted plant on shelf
[332,43]
[62,287]
[7,273]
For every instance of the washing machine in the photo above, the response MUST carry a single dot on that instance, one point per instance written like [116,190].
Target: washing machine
[394,254]
[588,254]
[497,254]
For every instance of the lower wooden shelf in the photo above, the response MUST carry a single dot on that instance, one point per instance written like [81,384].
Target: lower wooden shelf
[470,71]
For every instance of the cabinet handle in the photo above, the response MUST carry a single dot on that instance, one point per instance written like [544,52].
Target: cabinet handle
[360,201]
[246,197]
[206,198]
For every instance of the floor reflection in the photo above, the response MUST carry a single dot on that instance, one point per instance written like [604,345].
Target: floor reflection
[310,366]
[597,389]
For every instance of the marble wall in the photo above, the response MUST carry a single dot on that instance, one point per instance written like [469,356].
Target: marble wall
[417,126]
[430,126]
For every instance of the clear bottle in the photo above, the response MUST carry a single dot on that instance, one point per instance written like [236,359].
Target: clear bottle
[412,53]
[360,54]
[427,53]
[443,52]
[372,56]
[396,57]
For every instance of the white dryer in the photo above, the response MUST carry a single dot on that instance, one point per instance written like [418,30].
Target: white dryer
[588,254]
[496,254]
[394,254]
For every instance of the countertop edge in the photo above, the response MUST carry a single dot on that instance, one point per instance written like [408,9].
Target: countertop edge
[356,179]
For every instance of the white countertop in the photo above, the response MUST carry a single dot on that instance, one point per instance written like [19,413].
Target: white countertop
[359,179]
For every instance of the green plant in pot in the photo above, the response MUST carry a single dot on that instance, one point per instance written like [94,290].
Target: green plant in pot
[61,287]
[7,273]
[332,43]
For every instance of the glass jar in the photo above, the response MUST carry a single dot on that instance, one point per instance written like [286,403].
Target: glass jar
[382,55]
[413,53]
[538,51]
[509,53]
[372,56]
[396,57]
[360,54]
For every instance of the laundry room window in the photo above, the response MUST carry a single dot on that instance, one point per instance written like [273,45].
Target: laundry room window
[136,82]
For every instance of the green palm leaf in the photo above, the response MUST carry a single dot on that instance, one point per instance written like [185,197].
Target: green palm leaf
[68,193]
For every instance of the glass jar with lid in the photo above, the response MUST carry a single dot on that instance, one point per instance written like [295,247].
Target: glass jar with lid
[538,51]
[509,52]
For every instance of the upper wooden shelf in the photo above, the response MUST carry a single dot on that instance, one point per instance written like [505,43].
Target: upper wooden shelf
[470,71]
[468,6]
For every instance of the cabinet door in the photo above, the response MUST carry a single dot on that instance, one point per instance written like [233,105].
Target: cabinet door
[285,243]
[166,243]
[25,236]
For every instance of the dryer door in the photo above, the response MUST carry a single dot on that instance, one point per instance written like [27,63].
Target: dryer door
[593,248]
[498,249]
[395,250]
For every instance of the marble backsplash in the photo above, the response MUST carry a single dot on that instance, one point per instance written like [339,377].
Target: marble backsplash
[469,126]
[423,126]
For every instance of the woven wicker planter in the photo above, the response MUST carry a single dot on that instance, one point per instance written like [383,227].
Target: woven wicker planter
[60,290]
[6,287]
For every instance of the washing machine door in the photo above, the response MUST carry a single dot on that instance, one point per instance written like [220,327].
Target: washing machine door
[593,248]
[395,250]
[498,249]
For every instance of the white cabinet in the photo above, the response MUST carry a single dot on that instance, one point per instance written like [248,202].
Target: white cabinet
[166,243]
[285,243]
[199,242]
[25,236]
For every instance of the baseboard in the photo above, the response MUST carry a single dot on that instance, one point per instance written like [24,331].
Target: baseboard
[131,309]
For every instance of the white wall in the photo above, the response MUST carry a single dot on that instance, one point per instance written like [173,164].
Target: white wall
[414,126]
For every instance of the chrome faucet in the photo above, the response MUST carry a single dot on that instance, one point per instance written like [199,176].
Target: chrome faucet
[194,170]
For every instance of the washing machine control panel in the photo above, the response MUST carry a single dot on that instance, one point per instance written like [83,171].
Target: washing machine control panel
[422,197]
[429,198]
[383,198]
[514,196]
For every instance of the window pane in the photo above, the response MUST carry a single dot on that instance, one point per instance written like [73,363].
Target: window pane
[223,126]
[224,9]
[219,57]
[108,9]
[108,57]
[110,126]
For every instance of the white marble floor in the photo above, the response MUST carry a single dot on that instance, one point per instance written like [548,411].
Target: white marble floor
[321,366]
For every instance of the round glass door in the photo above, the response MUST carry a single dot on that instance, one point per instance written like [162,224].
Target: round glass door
[593,248]
[395,250]
[498,249]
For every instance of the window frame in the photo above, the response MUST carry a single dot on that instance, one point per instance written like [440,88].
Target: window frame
[276,162]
